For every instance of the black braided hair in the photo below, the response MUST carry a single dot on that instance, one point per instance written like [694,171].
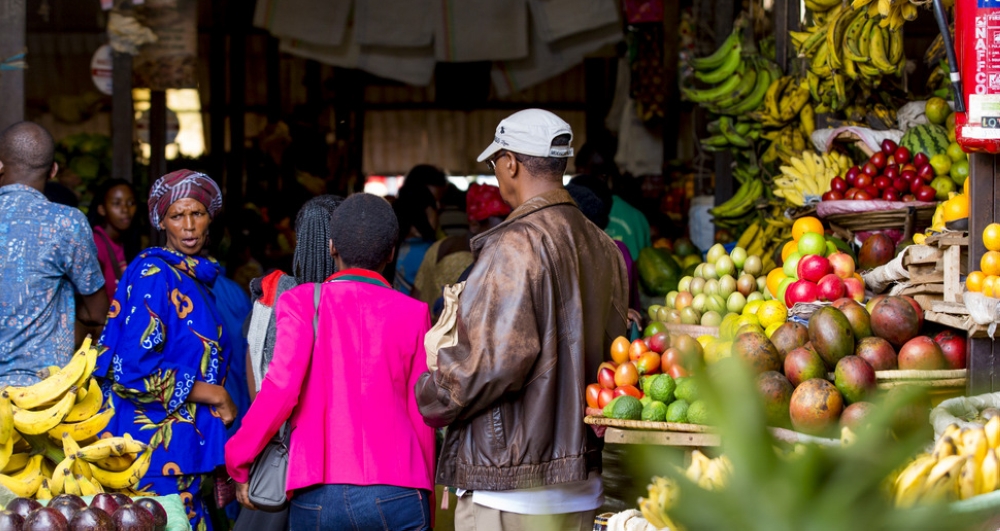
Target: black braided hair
[312,261]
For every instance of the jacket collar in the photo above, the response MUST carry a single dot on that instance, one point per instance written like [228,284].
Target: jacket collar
[14,188]
[359,275]
[555,197]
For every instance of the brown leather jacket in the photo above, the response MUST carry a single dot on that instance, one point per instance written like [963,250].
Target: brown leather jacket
[545,299]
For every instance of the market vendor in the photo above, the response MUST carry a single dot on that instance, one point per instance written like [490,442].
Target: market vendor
[164,351]
[47,255]
[532,330]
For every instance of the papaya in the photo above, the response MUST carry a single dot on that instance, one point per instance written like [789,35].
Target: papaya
[659,272]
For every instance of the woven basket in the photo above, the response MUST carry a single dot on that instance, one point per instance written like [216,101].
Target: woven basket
[883,219]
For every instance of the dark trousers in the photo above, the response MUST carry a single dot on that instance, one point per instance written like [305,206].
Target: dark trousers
[360,508]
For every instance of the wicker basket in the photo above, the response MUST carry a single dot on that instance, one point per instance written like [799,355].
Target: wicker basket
[883,219]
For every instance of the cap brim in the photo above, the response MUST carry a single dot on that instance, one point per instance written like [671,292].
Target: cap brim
[489,152]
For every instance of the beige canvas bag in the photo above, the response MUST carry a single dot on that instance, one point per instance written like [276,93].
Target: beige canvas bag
[445,331]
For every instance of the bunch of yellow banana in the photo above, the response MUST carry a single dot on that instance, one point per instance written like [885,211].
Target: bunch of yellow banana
[789,141]
[710,474]
[761,239]
[963,464]
[894,12]
[42,427]
[809,175]
[852,45]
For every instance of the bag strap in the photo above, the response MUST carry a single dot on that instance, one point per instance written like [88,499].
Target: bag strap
[285,433]
[111,253]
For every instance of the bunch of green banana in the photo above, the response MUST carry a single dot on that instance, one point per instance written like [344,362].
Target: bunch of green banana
[809,176]
[964,463]
[739,209]
[43,425]
[730,134]
[736,81]
[709,474]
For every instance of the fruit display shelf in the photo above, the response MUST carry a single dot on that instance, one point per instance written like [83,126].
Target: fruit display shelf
[619,431]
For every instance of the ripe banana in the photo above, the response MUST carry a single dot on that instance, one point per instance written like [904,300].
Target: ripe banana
[81,431]
[989,472]
[6,417]
[111,447]
[992,431]
[16,462]
[38,422]
[26,482]
[89,405]
[126,478]
[43,492]
[54,386]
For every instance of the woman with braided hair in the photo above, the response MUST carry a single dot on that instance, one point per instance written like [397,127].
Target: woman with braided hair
[311,263]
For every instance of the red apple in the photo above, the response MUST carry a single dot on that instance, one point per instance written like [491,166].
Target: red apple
[838,185]
[832,196]
[854,289]
[905,167]
[882,182]
[870,170]
[813,267]
[609,364]
[901,185]
[920,160]
[606,377]
[926,173]
[926,193]
[953,346]
[852,173]
[888,146]
[659,342]
[878,160]
[831,287]
[909,175]
[901,155]
[890,194]
[892,172]
[862,195]
[872,191]
[863,180]
[842,264]
[851,193]
[801,291]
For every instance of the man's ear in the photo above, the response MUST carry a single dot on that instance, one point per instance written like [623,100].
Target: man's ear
[54,170]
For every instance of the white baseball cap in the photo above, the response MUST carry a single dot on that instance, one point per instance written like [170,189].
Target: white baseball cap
[530,132]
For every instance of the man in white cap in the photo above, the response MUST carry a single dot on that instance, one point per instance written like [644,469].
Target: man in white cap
[544,300]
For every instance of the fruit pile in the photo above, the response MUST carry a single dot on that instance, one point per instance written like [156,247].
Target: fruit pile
[42,429]
[987,279]
[962,464]
[889,175]
[722,285]
[709,474]
[814,268]
[68,512]
[853,341]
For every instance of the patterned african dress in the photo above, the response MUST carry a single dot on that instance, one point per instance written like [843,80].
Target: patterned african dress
[164,333]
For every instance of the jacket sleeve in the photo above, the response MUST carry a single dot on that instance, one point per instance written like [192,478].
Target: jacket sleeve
[498,334]
[282,385]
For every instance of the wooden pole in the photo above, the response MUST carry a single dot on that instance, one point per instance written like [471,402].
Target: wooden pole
[983,374]
[237,112]
[157,134]
[273,59]
[12,28]
[786,18]
[672,100]
[217,94]
[122,116]
[724,15]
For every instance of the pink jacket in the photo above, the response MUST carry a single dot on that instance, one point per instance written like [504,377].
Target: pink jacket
[353,414]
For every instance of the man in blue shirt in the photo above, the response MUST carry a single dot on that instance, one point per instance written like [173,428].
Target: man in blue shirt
[47,254]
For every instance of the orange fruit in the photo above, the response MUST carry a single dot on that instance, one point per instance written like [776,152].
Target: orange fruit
[974,282]
[619,350]
[965,187]
[774,279]
[989,286]
[990,263]
[956,208]
[804,225]
[991,236]
[789,248]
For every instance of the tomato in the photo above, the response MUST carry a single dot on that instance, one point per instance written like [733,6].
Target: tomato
[626,374]
[606,395]
[648,363]
[609,364]
[606,377]
[628,390]
[593,395]
[670,357]
[637,348]
[676,371]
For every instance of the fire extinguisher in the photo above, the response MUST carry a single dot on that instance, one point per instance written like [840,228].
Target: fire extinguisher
[975,72]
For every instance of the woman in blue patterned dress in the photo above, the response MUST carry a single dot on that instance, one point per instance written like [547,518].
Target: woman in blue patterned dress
[164,352]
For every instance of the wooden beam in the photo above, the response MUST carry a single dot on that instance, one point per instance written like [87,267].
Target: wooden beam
[273,59]
[237,112]
[218,69]
[122,116]
[982,364]
[157,134]
[671,96]
[723,15]
[786,18]
[12,29]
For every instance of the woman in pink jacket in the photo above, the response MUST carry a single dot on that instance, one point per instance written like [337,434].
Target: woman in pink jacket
[360,454]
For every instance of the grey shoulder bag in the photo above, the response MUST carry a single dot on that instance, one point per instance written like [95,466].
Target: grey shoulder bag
[269,473]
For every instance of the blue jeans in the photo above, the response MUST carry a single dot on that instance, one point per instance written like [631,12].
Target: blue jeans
[360,508]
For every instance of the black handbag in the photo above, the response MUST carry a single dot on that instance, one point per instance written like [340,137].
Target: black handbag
[269,473]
